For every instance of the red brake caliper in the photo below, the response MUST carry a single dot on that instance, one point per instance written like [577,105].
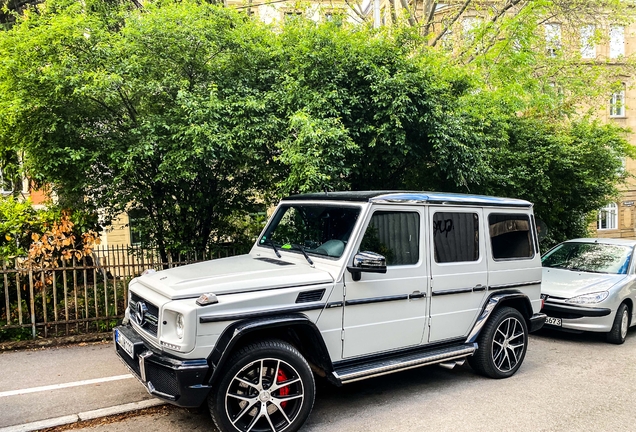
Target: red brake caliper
[283,391]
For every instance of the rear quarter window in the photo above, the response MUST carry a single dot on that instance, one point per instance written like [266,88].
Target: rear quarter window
[510,236]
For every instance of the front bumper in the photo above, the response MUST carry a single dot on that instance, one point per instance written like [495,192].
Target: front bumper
[579,318]
[180,382]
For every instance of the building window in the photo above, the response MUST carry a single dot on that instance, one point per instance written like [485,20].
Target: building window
[617,103]
[588,48]
[608,217]
[617,41]
[553,39]
[469,27]
[292,15]
[336,16]
[447,40]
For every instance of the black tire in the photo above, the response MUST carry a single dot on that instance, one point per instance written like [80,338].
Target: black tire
[267,386]
[618,333]
[502,344]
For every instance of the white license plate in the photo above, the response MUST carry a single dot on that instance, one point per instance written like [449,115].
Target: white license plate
[125,343]
[553,321]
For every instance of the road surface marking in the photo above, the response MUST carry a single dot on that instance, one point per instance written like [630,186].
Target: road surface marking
[64,385]
[88,415]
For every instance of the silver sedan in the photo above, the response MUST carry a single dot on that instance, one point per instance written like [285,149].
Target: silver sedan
[589,285]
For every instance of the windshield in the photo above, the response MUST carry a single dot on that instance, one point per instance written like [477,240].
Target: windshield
[589,257]
[317,229]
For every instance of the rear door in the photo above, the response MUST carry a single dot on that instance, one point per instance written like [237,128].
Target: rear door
[459,270]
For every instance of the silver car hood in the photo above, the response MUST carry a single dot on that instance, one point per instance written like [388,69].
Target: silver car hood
[231,275]
[568,283]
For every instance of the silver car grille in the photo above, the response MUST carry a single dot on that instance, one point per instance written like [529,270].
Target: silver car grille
[144,314]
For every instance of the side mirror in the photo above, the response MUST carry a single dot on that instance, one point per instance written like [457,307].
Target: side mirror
[368,262]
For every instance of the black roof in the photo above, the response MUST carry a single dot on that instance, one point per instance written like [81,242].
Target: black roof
[396,196]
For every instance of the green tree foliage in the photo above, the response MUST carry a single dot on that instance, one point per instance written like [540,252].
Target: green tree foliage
[17,221]
[194,116]
[566,170]
[161,110]
[369,110]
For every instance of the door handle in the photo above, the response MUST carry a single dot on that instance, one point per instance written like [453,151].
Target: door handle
[479,287]
[417,295]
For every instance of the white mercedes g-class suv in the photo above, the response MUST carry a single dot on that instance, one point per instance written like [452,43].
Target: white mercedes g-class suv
[341,285]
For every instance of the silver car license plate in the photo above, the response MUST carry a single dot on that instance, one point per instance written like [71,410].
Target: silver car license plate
[553,321]
[125,344]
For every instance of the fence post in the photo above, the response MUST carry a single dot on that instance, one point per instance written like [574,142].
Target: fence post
[32,303]
[44,309]
[6,292]
[86,305]
[55,314]
[65,283]
[18,286]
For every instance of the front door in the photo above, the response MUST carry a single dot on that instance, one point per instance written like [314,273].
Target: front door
[388,311]
[458,270]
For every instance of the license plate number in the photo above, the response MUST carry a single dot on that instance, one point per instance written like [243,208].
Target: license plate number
[553,321]
[125,344]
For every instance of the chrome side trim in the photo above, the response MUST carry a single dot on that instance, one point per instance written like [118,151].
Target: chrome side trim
[259,314]
[513,285]
[452,291]
[376,300]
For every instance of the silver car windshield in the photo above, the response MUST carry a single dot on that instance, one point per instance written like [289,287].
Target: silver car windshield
[316,229]
[589,257]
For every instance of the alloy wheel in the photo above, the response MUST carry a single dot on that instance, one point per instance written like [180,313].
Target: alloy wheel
[508,344]
[266,395]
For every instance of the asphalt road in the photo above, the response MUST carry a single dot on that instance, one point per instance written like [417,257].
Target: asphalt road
[567,383]
[86,367]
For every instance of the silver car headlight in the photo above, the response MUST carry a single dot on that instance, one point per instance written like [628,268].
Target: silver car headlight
[180,326]
[591,298]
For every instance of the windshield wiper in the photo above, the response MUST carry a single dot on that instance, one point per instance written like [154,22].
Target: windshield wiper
[302,249]
[271,242]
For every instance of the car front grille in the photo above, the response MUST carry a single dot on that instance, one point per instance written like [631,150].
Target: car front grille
[150,321]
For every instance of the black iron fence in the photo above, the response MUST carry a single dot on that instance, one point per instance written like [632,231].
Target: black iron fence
[78,296]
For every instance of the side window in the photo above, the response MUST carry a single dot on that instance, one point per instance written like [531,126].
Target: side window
[395,235]
[510,236]
[456,237]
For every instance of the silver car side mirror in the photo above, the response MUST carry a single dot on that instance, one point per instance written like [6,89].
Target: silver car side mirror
[368,262]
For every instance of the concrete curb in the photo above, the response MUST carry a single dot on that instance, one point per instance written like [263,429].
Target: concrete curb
[88,415]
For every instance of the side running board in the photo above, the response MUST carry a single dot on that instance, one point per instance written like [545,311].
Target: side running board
[387,365]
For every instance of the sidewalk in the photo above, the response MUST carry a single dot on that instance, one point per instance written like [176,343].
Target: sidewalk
[53,386]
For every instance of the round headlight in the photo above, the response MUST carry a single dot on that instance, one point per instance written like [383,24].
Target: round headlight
[180,326]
